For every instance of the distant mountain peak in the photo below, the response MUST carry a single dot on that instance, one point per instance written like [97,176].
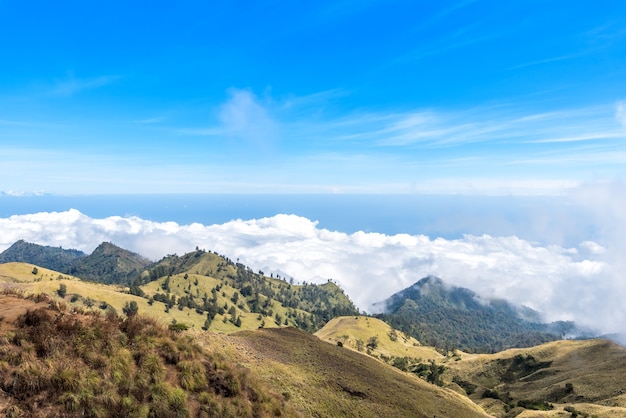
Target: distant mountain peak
[446,315]
[54,258]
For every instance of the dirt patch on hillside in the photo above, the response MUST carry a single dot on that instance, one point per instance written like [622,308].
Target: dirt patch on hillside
[11,307]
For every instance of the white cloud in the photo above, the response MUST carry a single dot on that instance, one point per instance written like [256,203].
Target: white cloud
[620,112]
[578,283]
[71,85]
[245,118]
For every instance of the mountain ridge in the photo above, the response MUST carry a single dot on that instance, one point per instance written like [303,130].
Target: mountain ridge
[451,317]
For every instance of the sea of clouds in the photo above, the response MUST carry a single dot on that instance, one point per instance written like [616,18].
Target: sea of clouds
[582,283]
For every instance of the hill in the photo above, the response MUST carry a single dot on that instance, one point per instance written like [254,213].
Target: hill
[109,264]
[585,376]
[57,363]
[324,380]
[377,338]
[450,317]
[53,258]
[199,290]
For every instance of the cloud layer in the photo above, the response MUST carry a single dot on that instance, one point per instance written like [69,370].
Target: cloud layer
[579,283]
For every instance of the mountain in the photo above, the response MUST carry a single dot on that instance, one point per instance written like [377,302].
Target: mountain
[53,258]
[450,317]
[217,288]
[199,289]
[109,264]
[66,351]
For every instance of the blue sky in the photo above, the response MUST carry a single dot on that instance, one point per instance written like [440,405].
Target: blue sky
[472,97]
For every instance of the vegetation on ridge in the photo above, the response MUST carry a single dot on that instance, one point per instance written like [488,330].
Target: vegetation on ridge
[57,363]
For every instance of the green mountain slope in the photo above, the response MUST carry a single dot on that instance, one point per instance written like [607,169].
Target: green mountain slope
[201,290]
[108,264]
[451,318]
[230,296]
[53,258]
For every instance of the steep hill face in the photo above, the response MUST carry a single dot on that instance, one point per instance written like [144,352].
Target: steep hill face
[53,258]
[109,264]
[53,363]
[451,317]
[324,380]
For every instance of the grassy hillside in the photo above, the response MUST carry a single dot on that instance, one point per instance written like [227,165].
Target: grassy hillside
[356,331]
[573,374]
[235,299]
[230,296]
[28,273]
[324,380]
[110,264]
[55,363]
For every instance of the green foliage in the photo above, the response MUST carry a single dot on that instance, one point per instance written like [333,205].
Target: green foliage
[436,372]
[537,405]
[54,258]
[575,413]
[494,394]
[468,387]
[242,291]
[109,264]
[401,363]
[178,326]
[130,308]
[372,343]
[62,291]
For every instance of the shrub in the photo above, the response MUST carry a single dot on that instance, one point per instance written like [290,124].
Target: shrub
[538,405]
[62,291]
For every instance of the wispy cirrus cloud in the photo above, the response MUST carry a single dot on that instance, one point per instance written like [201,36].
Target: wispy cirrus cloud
[545,61]
[71,85]
[432,128]
[620,112]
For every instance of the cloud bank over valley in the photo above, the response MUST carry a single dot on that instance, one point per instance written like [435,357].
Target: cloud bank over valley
[581,282]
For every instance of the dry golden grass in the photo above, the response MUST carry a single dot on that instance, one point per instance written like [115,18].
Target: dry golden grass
[324,380]
[350,329]
[595,369]
[23,273]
